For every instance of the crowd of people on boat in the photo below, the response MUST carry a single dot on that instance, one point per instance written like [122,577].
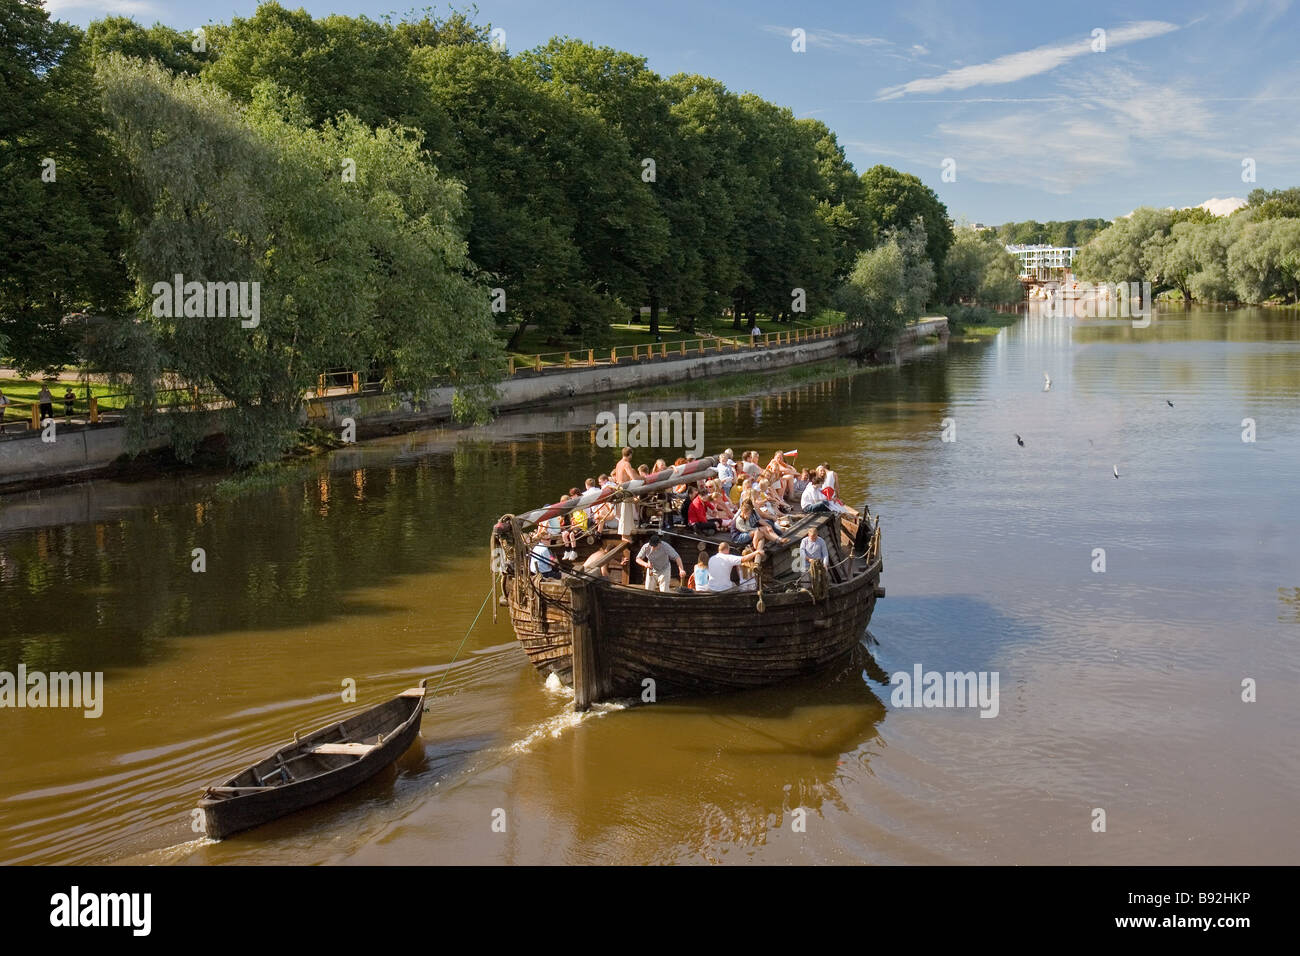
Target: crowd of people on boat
[744,511]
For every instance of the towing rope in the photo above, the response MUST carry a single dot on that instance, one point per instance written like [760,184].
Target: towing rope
[462,643]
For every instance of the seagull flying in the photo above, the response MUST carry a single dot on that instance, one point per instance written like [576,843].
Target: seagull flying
[1020,441]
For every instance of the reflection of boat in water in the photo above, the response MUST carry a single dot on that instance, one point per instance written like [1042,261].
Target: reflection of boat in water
[751,759]
[612,639]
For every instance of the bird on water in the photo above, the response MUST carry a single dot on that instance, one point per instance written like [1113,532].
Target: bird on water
[1020,441]
[1169,403]
[1116,471]
[1047,382]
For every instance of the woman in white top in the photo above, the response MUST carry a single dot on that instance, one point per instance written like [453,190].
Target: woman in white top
[829,480]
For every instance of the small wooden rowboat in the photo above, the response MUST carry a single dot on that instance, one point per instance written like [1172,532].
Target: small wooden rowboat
[315,767]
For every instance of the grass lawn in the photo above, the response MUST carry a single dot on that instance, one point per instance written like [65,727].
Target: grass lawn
[990,325]
[627,334]
[26,390]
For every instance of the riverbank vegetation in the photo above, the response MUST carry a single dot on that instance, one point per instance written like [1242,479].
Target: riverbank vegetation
[1068,232]
[1250,256]
[413,201]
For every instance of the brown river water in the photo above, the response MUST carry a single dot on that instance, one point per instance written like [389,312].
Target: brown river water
[1118,690]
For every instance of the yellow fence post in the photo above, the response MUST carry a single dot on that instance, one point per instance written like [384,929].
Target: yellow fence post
[356,382]
[591,357]
[537,363]
[94,410]
[683,349]
[613,356]
[36,417]
[512,365]
[568,360]
[663,350]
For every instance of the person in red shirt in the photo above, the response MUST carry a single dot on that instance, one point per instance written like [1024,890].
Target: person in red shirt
[698,512]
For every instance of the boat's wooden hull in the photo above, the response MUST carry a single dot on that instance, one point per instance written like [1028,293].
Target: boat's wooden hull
[323,776]
[688,643]
[720,643]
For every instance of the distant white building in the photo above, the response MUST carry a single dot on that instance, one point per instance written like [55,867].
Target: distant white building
[1044,262]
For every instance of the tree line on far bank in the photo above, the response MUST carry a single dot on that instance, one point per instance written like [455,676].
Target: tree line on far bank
[404,192]
[1251,256]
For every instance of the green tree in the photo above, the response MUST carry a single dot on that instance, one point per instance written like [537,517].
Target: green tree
[1273,204]
[62,236]
[1264,261]
[336,64]
[527,158]
[979,270]
[786,246]
[841,201]
[349,272]
[171,48]
[625,237]
[1129,251]
[889,285]
[895,199]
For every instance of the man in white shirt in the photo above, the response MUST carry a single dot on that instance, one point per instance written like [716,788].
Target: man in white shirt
[812,499]
[720,566]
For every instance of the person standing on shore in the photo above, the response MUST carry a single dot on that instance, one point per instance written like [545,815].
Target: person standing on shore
[46,400]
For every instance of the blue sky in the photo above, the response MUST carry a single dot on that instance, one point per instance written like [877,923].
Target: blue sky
[1036,122]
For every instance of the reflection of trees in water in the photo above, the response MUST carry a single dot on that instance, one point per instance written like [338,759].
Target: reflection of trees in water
[105,593]
[113,583]
[1290,598]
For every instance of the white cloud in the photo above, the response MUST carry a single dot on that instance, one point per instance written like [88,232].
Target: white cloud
[1110,123]
[98,8]
[1033,150]
[1019,66]
[1223,207]
[831,39]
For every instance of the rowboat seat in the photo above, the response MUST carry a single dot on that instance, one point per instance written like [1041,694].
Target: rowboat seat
[350,748]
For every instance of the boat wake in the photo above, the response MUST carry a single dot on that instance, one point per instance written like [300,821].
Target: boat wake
[167,855]
[556,686]
[555,727]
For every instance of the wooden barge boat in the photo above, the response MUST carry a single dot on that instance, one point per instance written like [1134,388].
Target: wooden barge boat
[316,767]
[609,638]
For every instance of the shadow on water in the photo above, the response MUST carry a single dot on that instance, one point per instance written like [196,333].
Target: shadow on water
[748,761]
[919,628]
